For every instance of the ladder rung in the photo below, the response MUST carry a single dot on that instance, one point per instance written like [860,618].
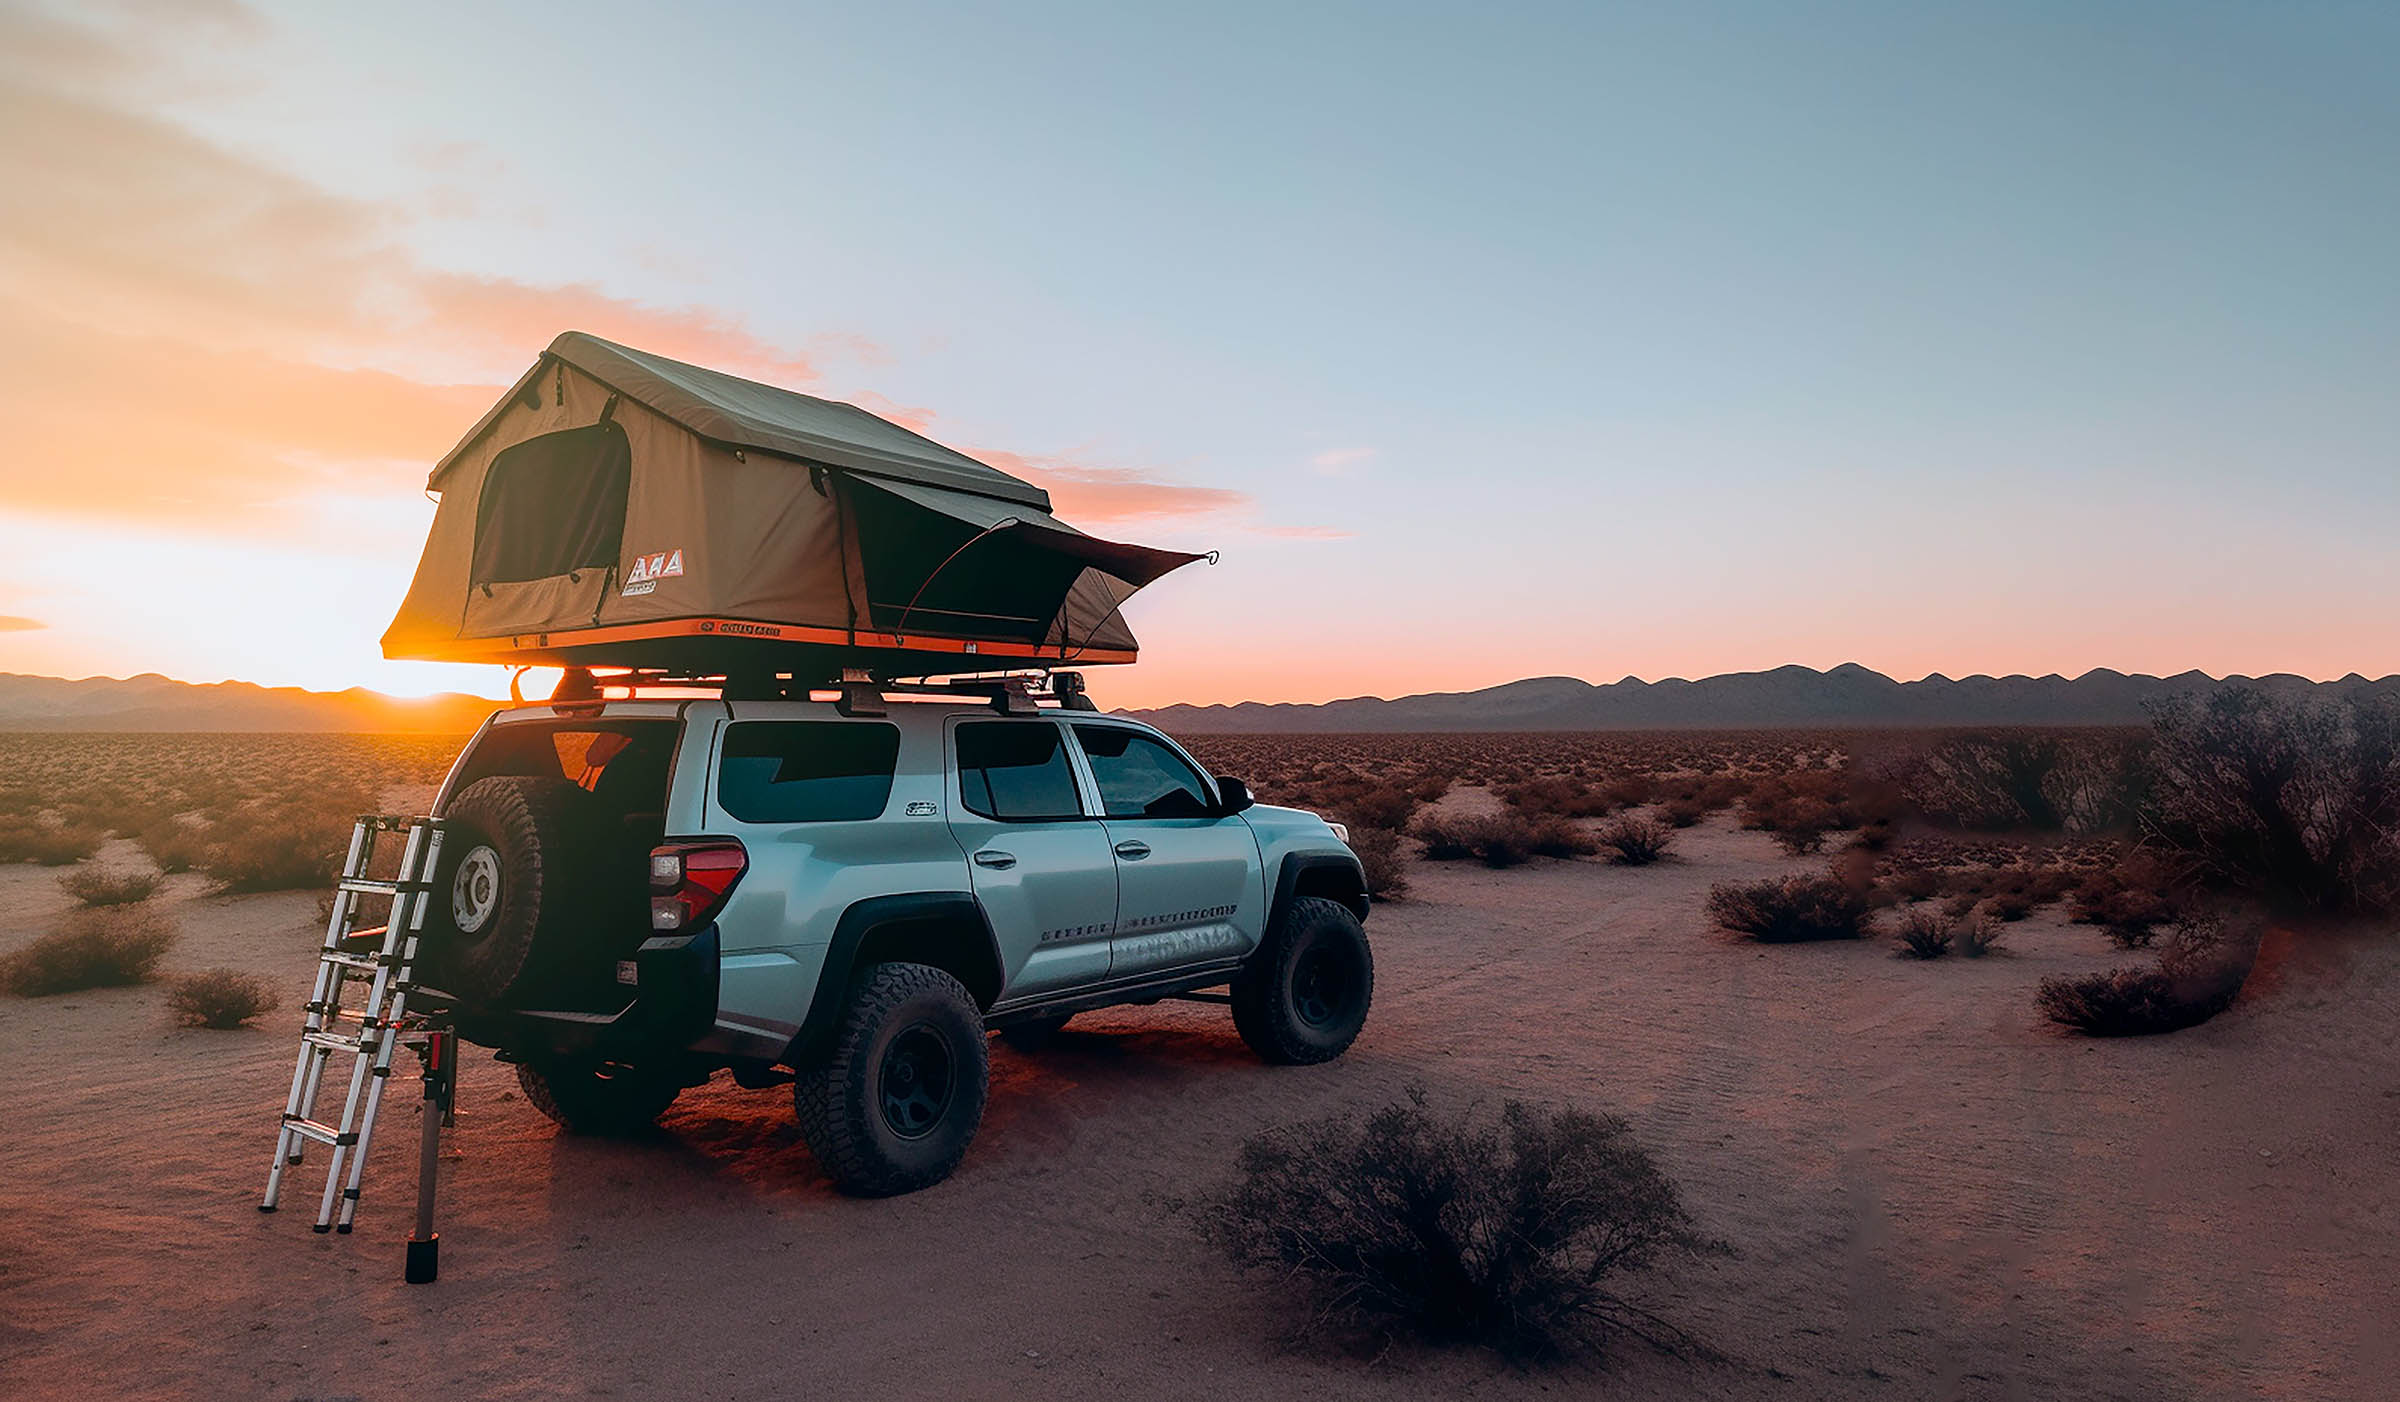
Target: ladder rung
[366,887]
[318,1130]
[368,962]
[335,1041]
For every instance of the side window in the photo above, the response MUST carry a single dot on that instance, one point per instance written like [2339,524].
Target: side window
[1016,770]
[807,771]
[1139,777]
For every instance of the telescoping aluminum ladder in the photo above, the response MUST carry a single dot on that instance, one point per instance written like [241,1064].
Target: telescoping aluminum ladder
[384,962]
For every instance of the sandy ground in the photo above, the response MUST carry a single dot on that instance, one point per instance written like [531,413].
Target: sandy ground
[1932,1196]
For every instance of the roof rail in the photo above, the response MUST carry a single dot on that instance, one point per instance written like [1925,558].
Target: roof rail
[857,689]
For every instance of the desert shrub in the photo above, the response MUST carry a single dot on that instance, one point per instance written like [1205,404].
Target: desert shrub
[1978,935]
[1926,934]
[1453,1228]
[175,845]
[1791,909]
[29,839]
[1629,790]
[2298,800]
[1557,797]
[2198,974]
[100,886]
[94,947]
[221,998]
[1682,812]
[2008,906]
[1503,839]
[1380,856]
[1631,840]
[1914,884]
[282,844]
[1382,806]
[2131,900]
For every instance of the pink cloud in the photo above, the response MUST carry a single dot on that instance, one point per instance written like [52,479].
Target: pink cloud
[10,623]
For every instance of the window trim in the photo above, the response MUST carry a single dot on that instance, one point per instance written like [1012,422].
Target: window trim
[720,751]
[1085,794]
[1099,804]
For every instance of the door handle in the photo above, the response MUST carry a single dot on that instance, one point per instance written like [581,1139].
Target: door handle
[995,859]
[1133,851]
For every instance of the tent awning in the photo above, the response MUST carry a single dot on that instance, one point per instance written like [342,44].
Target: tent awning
[1137,565]
[743,413]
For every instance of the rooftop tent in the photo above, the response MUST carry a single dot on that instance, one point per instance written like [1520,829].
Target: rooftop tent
[617,508]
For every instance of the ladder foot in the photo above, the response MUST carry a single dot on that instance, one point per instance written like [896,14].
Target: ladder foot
[344,1229]
[424,1260]
[266,1207]
[322,1227]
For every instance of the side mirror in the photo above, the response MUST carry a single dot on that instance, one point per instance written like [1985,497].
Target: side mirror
[1232,796]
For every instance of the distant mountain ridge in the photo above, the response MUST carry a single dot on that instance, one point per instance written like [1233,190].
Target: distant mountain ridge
[1846,696]
[151,702]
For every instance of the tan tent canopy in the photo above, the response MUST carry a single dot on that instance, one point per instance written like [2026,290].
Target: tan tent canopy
[621,509]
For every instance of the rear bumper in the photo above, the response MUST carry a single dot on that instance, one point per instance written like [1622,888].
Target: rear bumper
[673,1005]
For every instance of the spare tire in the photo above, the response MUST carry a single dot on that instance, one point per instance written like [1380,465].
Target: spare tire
[502,894]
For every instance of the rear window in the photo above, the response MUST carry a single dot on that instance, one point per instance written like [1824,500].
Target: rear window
[807,771]
[623,761]
[1016,770]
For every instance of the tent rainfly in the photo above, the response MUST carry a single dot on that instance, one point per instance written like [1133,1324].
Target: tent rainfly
[621,509]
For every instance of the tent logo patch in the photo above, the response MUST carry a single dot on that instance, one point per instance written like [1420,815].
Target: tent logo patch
[648,570]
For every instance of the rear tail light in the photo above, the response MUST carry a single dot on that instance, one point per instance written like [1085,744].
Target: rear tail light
[689,882]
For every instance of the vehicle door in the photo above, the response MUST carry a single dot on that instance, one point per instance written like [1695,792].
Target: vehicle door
[1040,862]
[1189,889]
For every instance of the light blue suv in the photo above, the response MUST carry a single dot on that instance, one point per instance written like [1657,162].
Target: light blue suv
[846,895]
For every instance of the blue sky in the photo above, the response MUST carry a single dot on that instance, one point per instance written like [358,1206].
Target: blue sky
[1590,339]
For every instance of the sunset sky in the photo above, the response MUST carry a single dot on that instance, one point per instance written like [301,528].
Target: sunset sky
[1483,341]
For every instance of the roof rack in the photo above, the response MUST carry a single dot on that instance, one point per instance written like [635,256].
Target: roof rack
[857,689]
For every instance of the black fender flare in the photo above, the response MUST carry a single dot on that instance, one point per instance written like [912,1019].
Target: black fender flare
[1298,864]
[860,920]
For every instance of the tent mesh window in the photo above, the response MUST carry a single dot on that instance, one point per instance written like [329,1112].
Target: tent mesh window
[553,505]
[930,574]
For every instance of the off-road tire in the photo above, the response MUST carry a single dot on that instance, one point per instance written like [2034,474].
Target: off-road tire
[1303,995]
[531,826]
[850,1104]
[596,1098]
[1039,1035]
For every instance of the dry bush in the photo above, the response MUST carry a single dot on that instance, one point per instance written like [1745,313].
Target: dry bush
[1978,935]
[284,843]
[2131,900]
[2197,976]
[25,839]
[2008,906]
[2044,780]
[1914,884]
[174,844]
[1504,839]
[1635,841]
[1682,812]
[221,998]
[1452,1228]
[94,947]
[1555,797]
[1926,934]
[2297,800]
[1379,855]
[1791,909]
[100,886]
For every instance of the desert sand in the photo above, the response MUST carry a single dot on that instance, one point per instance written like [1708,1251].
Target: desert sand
[1931,1194]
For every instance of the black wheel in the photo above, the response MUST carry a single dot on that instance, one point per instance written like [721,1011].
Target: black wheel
[900,1092]
[1034,1036]
[596,1097]
[1304,993]
[500,894]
